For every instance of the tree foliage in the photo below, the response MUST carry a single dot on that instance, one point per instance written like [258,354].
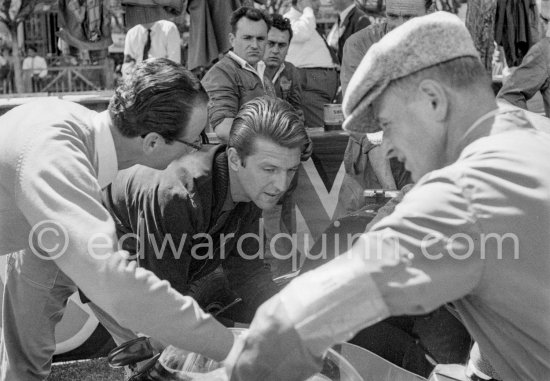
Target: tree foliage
[13,13]
[275,6]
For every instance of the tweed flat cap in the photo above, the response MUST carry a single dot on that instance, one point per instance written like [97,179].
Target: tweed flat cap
[418,44]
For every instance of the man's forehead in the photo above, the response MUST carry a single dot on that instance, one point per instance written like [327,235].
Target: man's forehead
[406,7]
[267,151]
[278,35]
[251,27]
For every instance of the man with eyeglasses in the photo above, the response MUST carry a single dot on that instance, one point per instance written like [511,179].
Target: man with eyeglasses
[55,157]
[203,212]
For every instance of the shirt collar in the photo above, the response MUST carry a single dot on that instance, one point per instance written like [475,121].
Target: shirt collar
[278,73]
[260,67]
[477,130]
[345,13]
[105,149]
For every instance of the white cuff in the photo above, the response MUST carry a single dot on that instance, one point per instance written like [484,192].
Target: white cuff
[375,137]
[308,12]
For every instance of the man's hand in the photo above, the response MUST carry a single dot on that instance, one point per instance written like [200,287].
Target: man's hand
[303,4]
[272,350]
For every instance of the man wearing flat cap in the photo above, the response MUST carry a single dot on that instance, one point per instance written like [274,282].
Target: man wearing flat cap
[473,230]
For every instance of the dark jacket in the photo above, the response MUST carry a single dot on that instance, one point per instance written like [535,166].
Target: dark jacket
[531,76]
[355,20]
[173,220]
[287,86]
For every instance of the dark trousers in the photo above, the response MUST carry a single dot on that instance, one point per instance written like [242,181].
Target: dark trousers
[319,87]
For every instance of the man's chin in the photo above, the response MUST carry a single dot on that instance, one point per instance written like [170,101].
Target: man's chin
[253,60]
[272,64]
[267,205]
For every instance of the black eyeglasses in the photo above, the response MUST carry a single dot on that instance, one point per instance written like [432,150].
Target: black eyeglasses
[196,145]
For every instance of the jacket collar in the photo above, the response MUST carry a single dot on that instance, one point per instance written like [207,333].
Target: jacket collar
[259,70]
[345,15]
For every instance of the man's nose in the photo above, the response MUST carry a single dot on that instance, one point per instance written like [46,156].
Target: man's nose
[281,181]
[387,148]
[255,43]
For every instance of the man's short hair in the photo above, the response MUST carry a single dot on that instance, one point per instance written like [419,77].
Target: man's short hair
[251,14]
[281,23]
[159,96]
[272,119]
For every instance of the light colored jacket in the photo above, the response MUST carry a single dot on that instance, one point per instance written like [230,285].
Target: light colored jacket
[49,169]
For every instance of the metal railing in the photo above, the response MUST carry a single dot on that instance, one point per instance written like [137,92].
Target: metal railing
[66,79]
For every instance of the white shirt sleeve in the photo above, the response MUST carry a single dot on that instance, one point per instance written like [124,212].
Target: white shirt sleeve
[303,28]
[134,43]
[27,63]
[40,64]
[173,44]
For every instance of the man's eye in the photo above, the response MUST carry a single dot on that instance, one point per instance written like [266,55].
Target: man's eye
[269,170]
[270,44]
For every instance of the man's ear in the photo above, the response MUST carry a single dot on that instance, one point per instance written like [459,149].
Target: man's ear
[152,142]
[231,39]
[436,99]
[234,159]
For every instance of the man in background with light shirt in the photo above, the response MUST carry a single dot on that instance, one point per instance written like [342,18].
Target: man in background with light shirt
[310,53]
[35,70]
[239,76]
[160,39]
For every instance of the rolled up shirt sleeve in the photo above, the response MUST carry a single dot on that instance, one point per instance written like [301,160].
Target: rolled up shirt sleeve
[173,44]
[304,26]
[57,188]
